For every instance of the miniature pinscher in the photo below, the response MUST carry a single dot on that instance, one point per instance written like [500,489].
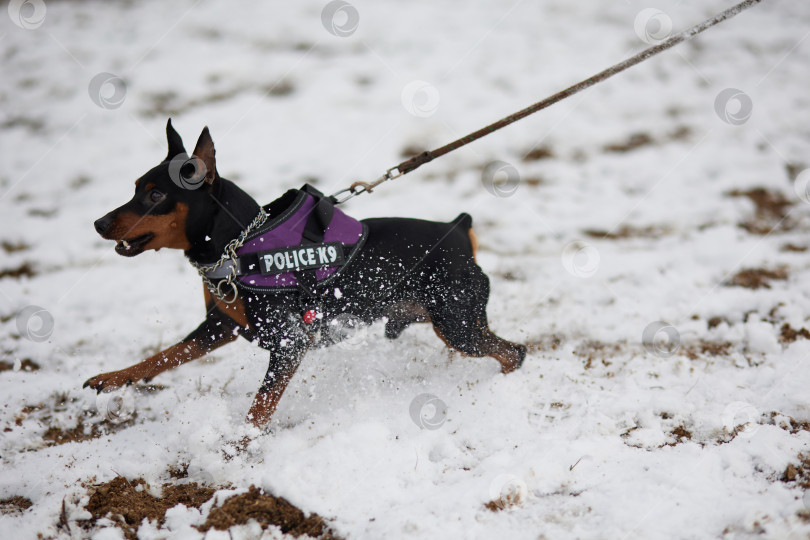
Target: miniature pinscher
[404,270]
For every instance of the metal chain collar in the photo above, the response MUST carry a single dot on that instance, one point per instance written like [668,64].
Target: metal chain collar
[229,254]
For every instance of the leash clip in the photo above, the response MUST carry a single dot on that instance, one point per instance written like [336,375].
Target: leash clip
[389,176]
[360,187]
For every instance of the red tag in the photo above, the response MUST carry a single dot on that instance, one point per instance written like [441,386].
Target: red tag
[310,316]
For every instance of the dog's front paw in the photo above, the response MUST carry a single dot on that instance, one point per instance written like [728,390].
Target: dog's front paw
[108,381]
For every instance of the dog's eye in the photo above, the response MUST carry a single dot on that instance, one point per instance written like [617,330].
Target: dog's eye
[156,196]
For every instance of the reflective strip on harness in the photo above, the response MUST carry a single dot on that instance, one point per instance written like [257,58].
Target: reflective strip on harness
[305,257]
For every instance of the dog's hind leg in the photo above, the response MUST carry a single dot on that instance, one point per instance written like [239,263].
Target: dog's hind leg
[459,318]
[481,341]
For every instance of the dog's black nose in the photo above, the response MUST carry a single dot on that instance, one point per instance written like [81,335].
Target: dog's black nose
[103,225]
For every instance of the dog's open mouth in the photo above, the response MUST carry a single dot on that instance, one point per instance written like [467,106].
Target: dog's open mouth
[133,246]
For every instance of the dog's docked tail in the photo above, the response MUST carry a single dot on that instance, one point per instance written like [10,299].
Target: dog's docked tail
[464,222]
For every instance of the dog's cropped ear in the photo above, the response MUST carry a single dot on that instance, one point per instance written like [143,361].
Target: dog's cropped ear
[205,152]
[175,142]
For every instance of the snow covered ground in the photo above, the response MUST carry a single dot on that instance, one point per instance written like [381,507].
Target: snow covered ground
[638,204]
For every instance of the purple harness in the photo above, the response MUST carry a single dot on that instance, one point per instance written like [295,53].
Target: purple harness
[306,242]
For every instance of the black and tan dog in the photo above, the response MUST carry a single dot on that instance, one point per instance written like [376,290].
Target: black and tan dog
[406,271]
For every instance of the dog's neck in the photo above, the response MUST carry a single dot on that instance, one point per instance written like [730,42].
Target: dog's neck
[229,211]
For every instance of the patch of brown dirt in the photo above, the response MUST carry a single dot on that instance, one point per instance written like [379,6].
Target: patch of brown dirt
[757,278]
[169,103]
[798,473]
[506,500]
[179,472]
[279,89]
[628,231]
[793,170]
[510,275]
[793,248]
[788,423]
[493,506]
[714,322]
[14,247]
[43,212]
[788,334]
[88,424]
[148,388]
[536,154]
[14,506]
[534,181]
[729,436]
[545,343]
[681,133]
[79,182]
[705,348]
[412,150]
[597,350]
[28,409]
[24,270]
[636,140]
[267,510]
[681,435]
[54,436]
[34,124]
[26,364]
[771,210]
[127,502]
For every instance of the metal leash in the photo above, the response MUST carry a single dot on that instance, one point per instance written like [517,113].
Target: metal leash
[417,161]
[229,254]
